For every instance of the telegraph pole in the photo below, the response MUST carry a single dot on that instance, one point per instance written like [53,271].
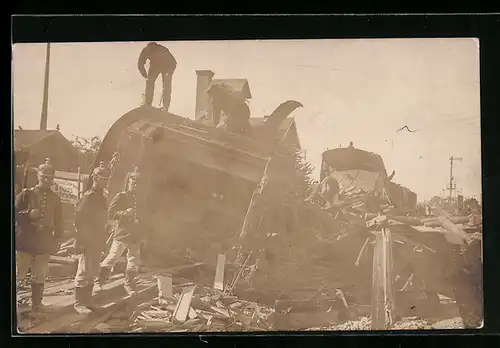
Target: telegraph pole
[45,102]
[451,187]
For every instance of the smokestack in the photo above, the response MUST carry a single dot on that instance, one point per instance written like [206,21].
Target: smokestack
[204,79]
[45,103]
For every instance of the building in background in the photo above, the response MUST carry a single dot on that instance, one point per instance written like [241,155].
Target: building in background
[40,144]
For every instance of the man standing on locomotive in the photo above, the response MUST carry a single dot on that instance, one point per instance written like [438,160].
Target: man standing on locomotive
[127,210]
[161,61]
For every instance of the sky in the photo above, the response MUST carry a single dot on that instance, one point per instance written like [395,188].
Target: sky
[359,90]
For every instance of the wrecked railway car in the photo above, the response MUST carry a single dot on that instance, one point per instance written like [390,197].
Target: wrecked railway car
[432,259]
[402,197]
[198,180]
[359,169]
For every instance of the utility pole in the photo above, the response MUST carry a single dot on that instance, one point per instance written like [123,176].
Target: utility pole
[45,102]
[451,187]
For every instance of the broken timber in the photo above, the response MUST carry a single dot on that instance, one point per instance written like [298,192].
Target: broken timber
[66,316]
[382,290]
[102,315]
[183,307]
[219,274]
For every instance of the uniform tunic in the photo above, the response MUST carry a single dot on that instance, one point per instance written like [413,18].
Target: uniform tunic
[38,237]
[128,229]
[91,217]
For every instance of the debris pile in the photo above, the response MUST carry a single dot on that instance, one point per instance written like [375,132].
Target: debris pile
[192,308]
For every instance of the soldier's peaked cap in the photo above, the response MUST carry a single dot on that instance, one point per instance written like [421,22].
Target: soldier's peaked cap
[46,169]
[101,171]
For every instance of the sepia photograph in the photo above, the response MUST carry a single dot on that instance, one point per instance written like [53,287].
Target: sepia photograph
[247,186]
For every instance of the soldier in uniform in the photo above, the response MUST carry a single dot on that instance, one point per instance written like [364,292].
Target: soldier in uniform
[38,231]
[127,210]
[91,217]
[331,188]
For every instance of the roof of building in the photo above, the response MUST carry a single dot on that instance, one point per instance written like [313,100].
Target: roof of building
[239,85]
[26,138]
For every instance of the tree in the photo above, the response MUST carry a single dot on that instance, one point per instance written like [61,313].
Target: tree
[88,148]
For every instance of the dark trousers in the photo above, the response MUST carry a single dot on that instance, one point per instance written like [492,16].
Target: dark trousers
[150,86]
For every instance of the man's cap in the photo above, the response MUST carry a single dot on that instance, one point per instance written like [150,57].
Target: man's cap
[101,171]
[46,169]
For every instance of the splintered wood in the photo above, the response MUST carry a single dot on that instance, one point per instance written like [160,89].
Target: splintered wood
[219,273]
[382,290]
[184,305]
[165,291]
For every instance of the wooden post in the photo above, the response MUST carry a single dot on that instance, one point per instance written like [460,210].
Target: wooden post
[79,182]
[219,274]
[45,100]
[382,289]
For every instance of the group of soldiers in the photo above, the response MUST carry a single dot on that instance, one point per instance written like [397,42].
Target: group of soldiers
[39,231]
[39,220]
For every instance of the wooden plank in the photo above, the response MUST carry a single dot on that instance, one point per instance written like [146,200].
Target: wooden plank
[454,219]
[102,315]
[382,290]
[165,290]
[406,220]
[389,291]
[219,273]
[62,260]
[221,311]
[459,235]
[252,213]
[183,305]
[192,313]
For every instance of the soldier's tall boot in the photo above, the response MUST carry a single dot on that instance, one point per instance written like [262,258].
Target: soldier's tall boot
[81,300]
[131,282]
[104,274]
[90,299]
[36,298]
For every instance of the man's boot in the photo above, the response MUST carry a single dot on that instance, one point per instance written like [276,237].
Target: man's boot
[90,299]
[36,298]
[104,274]
[81,300]
[130,282]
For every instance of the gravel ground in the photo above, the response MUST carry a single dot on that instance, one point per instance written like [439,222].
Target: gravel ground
[364,323]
